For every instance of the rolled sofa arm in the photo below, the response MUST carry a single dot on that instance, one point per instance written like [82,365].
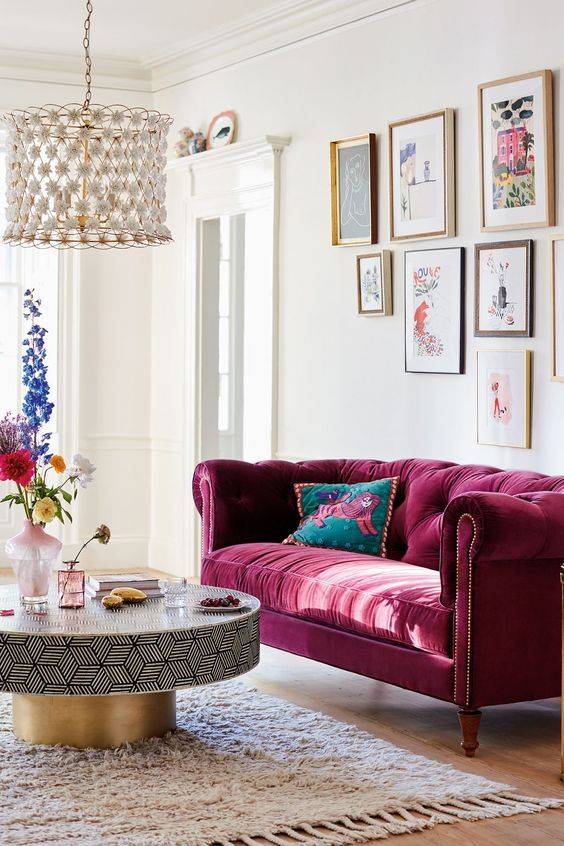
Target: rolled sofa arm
[484,526]
[249,503]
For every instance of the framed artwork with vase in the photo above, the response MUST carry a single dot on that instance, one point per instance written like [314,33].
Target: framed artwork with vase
[354,199]
[516,152]
[503,292]
[374,283]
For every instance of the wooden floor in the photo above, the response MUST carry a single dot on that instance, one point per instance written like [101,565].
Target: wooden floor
[520,744]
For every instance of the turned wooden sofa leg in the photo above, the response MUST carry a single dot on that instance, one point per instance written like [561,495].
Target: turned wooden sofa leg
[469,723]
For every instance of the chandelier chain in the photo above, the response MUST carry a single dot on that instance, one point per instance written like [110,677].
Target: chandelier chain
[87,59]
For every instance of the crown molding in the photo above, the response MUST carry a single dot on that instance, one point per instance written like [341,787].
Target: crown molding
[68,69]
[288,23]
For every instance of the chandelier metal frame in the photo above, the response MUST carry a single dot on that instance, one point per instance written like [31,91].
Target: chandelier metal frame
[86,175]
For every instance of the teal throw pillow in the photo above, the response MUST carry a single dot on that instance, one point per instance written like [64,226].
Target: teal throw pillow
[354,518]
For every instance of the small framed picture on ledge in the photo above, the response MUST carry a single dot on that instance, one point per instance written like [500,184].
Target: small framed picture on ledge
[354,200]
[504,289]
[374,283]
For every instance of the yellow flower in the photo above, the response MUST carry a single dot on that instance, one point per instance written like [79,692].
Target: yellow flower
[44,510]
[58,463]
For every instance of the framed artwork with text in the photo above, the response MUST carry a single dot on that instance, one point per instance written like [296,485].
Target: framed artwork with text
[516,152]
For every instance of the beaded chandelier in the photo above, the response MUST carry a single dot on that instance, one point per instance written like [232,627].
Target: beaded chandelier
[86,175]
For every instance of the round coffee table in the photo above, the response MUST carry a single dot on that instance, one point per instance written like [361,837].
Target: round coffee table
[99,678]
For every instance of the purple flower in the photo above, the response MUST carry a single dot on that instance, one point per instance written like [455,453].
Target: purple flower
[15,432]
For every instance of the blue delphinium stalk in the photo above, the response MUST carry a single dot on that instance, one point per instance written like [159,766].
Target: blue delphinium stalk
[36,405]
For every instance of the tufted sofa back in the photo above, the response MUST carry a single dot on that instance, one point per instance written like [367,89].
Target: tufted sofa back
[425,490]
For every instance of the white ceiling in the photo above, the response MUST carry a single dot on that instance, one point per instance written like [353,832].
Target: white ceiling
[138,30]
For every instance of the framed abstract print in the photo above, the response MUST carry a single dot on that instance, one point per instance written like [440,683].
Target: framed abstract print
[421,151]
[354,207]
[504,398]
[516,152]
[374,283]
[557,288]
[434,310]
[504,289]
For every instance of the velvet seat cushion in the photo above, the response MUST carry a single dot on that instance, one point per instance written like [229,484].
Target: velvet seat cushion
[372,596]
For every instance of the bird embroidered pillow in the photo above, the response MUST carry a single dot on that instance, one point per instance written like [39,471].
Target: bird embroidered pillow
[353,518]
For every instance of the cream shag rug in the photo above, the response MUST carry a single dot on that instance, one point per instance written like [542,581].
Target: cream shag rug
[241,765]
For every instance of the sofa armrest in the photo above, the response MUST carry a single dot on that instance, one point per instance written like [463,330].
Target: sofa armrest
[249,503]
[495,526]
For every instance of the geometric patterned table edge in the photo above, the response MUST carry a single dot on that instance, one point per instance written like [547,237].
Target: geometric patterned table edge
[89,665]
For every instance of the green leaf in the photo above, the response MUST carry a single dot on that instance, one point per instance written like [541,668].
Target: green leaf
[66,496]
[68,514]
[8,497]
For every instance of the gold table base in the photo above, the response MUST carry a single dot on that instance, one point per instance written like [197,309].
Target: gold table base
[101,722]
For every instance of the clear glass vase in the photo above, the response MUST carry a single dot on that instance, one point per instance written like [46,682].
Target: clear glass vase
[70,586]
[33,554]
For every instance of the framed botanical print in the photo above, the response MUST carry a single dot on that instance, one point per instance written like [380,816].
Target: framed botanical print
[434,310]
[504,289]
[557,288]
[504,398]
[421,151]
[374,283]
[354,206]
[516,152]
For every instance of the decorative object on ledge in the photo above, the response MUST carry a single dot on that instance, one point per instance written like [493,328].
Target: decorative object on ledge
[181,148]
[221,130]
[26,461]
[86,175]
[70,582]
[354,200]
[197,144]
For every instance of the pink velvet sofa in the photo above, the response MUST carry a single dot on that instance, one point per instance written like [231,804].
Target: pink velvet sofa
[466,608]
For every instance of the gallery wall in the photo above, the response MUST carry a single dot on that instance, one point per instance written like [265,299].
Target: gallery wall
[342,386]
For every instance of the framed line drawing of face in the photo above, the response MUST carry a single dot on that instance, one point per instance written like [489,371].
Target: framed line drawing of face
[504,289]
[354,206]
[504,398]
[422,190]
[516,152]
[374,283]
[434,310]
[557,303]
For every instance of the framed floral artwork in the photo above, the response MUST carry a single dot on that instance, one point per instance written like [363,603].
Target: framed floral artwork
[557,298]
[422,201]
[516,152]
[374,283]
[504,398]
[504,289]
[434,310]
[354,206]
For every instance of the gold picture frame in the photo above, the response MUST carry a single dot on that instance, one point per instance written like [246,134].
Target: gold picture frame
[446,220]
[547,148]
[525,443]
[367,193]
[385,260]
[555,376]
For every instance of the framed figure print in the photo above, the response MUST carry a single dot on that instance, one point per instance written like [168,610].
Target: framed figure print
[557,288]
[434,310]
[516,152]
[354,206]
[422,202]
[504,289]
[504,398]
[374,283]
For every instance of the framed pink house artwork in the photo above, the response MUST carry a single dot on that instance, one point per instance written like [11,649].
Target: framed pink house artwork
[504,289]
[516,152]
[434,310]
[504,398]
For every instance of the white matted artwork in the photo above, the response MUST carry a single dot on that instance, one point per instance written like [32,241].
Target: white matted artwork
[516,152]
[504,388]
[421,153]
[503,289]
[374,283]
[557,284]
[434,310]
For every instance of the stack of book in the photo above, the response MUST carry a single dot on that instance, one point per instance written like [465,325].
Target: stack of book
[102,584]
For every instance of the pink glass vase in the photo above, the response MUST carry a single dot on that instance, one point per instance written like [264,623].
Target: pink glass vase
[70,585]
[33,554]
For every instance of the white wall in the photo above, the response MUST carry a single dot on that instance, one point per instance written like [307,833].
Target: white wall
[343,390]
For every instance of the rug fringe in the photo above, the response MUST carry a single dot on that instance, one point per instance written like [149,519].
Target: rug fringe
[379,825]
